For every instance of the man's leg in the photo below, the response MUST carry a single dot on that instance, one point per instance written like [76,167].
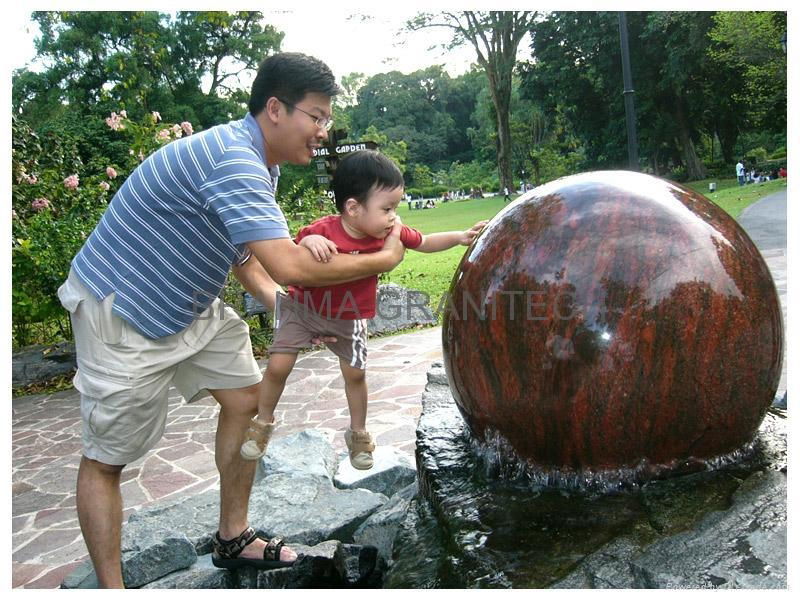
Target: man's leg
[100,516]
[237,407]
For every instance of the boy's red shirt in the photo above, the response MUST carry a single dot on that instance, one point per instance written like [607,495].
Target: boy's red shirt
[354,299]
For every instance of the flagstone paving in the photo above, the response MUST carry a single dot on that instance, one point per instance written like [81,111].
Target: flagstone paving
[46,446]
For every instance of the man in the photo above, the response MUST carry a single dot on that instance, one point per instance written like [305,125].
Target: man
[740,172]
[143,298]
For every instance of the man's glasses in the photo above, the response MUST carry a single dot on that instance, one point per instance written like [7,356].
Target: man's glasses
[322,122]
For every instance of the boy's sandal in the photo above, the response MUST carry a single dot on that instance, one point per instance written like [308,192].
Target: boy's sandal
[226,552]
[360,446]
[256,439]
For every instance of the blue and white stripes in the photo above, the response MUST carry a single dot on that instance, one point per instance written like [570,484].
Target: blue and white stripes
[172,231]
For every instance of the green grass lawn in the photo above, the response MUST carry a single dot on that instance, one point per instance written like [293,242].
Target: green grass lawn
[432,273]
[732,197]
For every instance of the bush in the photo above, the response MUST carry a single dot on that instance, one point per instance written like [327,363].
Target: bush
[57,198]
[677,174]
[756,155]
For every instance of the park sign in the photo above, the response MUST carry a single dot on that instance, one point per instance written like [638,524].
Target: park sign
[342,149]
[327,156]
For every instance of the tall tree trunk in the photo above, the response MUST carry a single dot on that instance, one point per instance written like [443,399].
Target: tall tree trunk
[694,166]
[501,97]
[728,134]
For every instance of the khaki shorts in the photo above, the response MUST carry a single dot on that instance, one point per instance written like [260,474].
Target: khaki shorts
[296,325]
[124,377]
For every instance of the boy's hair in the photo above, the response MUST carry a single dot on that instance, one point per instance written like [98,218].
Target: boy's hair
[289,76]
[360,173]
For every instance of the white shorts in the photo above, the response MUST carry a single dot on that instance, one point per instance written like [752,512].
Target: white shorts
[124,377]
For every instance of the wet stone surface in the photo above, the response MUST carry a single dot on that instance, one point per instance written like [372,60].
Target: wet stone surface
[481,524]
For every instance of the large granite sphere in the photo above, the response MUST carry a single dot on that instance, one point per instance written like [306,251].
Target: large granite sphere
[613,320]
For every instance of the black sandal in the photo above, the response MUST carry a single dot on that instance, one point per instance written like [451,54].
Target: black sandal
[226,552]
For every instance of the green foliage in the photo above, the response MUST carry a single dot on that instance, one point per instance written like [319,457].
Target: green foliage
[396,150]
[144,61]
[57,198]
[756,155]
[749,44]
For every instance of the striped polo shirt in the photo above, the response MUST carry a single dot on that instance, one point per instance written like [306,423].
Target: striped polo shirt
[170,235]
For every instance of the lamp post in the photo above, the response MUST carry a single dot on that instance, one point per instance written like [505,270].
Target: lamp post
[627,92]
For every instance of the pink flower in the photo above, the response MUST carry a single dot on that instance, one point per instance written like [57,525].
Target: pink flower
[187,128]
[156,116]
[40,204]
[111,172]
[123,114]
[177,131]
[71,182]
[13,214]
[162,135]
[104,185]
[31,179]
[115,121]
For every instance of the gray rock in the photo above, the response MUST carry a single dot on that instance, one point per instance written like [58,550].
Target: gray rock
[742,547]
[608,568]
[380,529]
[308,451]
[201,575]
[359,566]
[36,364]
[391,472]
[82,577]
[154,556]
[195,516]
[308,509]
[437,375]
[145,559]
[399,308]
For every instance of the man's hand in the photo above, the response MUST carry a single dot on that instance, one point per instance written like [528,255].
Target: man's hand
[471,233]
[393,244]
[321,247]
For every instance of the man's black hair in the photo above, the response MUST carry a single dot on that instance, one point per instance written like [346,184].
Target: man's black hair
[290,76]
[362,172]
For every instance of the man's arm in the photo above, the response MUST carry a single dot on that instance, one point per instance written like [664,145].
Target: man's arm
[290,264]
[257,282]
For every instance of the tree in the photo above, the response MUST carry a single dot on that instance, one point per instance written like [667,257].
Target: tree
[495,36]
[747,45]
[578,69]
[414,109]
[145,61]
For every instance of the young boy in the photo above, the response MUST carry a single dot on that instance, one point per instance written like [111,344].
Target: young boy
[368,188]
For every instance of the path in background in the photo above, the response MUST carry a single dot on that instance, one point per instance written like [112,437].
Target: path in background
[765,223]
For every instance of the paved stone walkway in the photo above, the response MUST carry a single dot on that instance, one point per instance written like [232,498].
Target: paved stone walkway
[46,446]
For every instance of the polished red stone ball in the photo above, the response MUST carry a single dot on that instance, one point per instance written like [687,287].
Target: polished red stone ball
[613,320]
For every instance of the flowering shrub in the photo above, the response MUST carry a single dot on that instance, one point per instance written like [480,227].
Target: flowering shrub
[55,206]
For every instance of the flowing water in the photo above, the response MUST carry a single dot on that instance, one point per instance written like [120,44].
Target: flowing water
[482,521]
